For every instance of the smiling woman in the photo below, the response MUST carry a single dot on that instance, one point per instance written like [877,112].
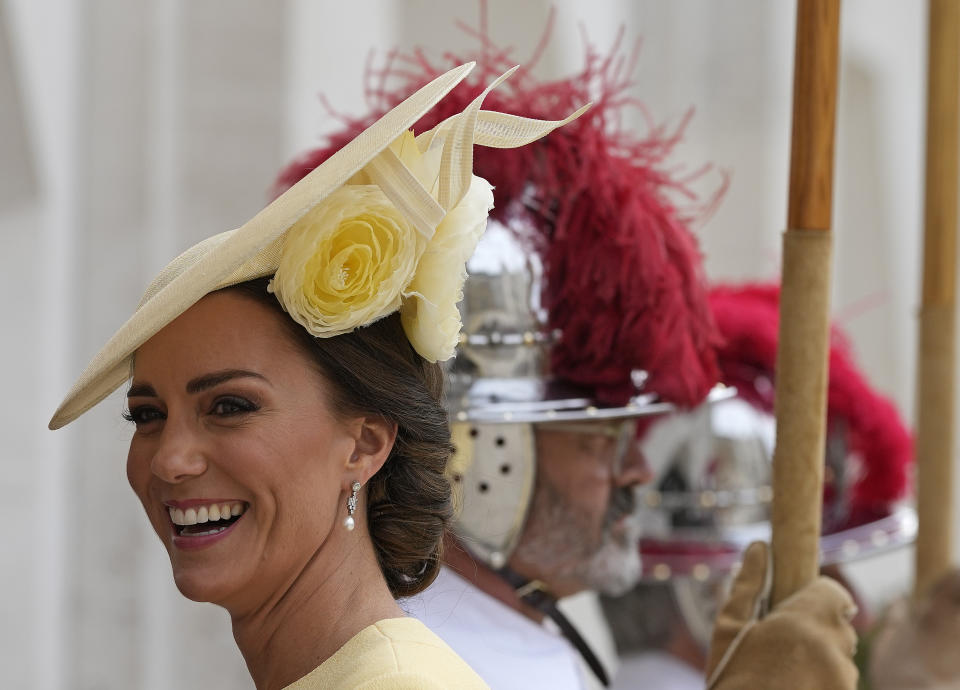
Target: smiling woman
[244,458]
[290,442]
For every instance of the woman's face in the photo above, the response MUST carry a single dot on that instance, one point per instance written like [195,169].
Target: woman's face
[229,412]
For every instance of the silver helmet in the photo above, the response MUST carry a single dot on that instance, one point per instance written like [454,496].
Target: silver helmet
[500,386]
[709,498]
[712,492]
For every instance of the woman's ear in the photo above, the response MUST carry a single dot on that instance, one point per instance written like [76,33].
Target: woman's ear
[374,441]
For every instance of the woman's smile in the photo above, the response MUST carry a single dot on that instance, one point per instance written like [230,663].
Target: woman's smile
[236,454]
[199,523]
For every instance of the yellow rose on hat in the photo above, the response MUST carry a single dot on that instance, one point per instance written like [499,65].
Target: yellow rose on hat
[346,262]
[354,258]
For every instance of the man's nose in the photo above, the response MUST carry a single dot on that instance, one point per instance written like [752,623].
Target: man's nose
[634,469]
[179,455]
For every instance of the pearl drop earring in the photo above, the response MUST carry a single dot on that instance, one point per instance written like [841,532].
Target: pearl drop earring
[349,523]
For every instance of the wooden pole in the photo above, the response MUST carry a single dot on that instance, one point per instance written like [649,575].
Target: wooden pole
[801,376]
[935,363]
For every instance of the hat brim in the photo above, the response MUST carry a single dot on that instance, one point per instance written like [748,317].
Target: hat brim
[111,366]
[535,401]
[715,554]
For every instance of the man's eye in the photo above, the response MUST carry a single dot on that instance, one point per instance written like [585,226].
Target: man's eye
[595,444]
[143,414]
[232,405]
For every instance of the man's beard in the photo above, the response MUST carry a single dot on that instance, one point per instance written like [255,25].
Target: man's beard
[561,540]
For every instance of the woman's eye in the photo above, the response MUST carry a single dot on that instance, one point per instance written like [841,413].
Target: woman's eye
[143,414]
[229,406]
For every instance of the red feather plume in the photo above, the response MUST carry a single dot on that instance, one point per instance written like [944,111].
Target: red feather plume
[748,319]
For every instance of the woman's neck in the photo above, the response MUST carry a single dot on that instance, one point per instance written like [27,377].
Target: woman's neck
[326,604]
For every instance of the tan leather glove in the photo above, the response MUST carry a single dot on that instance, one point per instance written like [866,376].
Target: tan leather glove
[806,643]
[917,645]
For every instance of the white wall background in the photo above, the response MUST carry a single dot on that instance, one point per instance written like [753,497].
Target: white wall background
[128,131]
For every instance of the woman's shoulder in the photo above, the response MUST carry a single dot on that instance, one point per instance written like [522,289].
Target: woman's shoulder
[394,654]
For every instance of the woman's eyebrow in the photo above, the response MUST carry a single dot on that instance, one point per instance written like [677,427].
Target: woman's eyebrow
[141,390]
[207,381]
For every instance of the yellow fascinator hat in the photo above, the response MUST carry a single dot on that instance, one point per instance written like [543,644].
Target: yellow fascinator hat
[386,224]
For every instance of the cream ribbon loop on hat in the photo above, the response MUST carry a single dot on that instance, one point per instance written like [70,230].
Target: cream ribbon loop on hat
[254,249]
[405,192]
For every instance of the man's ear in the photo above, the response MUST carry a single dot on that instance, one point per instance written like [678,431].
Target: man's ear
[375,437]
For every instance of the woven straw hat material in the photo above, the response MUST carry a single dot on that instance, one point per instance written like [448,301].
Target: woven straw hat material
[253,250]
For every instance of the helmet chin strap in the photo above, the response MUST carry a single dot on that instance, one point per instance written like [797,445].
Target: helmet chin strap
[536,594]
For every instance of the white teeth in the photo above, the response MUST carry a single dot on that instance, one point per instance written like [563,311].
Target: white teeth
[202,514]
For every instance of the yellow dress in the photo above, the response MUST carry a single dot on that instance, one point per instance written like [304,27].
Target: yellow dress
[392,654]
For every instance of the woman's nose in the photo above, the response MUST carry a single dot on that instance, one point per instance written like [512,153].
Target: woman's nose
[635,470]
[179,455]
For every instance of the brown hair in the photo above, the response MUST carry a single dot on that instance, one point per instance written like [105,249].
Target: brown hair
[375,370]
